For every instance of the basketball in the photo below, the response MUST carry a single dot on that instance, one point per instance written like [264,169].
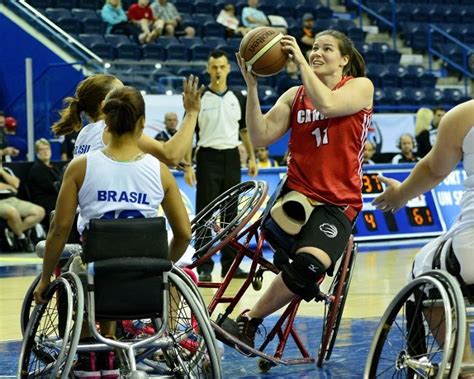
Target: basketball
[261,50]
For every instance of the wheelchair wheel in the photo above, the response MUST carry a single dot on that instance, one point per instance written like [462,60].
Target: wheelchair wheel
[194,352]
[418,333]
[224,217]
[28,304]
[191,286]
[53,331]
[339,289]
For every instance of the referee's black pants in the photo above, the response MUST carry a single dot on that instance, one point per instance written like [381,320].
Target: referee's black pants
[216,172]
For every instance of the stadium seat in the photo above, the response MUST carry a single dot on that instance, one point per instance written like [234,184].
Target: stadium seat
[391,57]
[186,71]
[453,96]
[285,11]
[177,52]
[427,80]
[92,4]
[376,73]
[379,96]
[235,78]
[166,41]
[213,29]
[153,51]
[199,52]
[90,20]
[67,4]
[189,41]
[41,3]
[213,42]
[172,83]
[413,96]
[124,47]
[205,7]
[393,96]
[433,96]
[322,12]
[184,6]
[267,95]
[98,45]
[56,13]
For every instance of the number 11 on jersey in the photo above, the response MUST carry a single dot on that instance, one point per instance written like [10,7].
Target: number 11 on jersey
[321,137]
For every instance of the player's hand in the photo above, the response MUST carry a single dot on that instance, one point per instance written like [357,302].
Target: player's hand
[252,168]
[192,93]
[39,291]
[390,200]
[290,47]
[190,176]
[249,77]
[182,166]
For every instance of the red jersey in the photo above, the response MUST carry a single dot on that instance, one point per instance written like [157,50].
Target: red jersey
[136,12]
[325,154]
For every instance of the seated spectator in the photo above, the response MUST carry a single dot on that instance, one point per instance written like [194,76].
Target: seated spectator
[289,78]
[141,15]
[406,144]
[20,215]
[117,22]
[369,151]
[17,143]
[228,18]
[253,17]
[426,128]
[171,18]
[263,158]
[171,127]
[305,37]
[67,146]
[43,179]
[5,150]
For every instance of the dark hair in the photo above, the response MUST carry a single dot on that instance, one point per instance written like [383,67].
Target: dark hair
[356,65]
[413,140]
[88,97]
[123,107]
[436,109]
[217,54]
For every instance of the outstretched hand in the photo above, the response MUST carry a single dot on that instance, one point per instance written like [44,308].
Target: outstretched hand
[192,94]
[391,199]
[38,293]
[249,77]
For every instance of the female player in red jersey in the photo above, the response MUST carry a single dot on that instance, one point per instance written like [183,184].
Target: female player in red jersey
[328,117]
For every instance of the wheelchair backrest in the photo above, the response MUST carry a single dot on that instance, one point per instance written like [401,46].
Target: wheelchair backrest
[130,237]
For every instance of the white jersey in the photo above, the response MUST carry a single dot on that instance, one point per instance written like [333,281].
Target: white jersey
[461,233]
[119,189]
[90,138]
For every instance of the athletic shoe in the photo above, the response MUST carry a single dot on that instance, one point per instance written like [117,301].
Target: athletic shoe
[205,277]
[246,328]
[108,365]
[86,366]
[10,238]
[25,245]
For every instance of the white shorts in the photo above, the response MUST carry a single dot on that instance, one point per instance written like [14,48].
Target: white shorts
[463,247]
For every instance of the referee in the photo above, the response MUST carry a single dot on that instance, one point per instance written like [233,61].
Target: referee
[220,122]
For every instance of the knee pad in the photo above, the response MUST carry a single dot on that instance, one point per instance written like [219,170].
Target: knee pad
[301,275]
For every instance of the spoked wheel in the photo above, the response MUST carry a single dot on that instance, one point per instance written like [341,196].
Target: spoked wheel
[194,352]
[339,290]
[28,304]
[418,333]
[224,217]
[53,331]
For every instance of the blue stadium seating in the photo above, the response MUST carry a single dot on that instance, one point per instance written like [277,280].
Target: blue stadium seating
[189,41]
[153,51]
[205,7]
[413,96]
[177,52]
[124,47]
[213,29]
[172,83]
[68,4]
[184,6]
[199,52]
[213,42]
[92,4]
[433,96]
[98,45]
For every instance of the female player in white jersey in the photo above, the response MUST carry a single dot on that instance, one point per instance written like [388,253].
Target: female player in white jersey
[88,99]
[454,142]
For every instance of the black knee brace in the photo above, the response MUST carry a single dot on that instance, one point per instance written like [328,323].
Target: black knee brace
[302,274]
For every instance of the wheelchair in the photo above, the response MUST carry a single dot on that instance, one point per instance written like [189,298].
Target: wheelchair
[423,331]
[231,220]
[128,277]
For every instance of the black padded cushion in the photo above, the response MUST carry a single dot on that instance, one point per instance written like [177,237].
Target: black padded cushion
[130,237]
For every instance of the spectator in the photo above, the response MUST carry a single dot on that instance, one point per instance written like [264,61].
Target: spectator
[253,17]
[263,158]
[426,128]
[141,15]
[171,18]
[305,37]
[369,151]
[67,146]
[20,215]
[289,78]
[5,150]
[17,143]
[406,144]
[117,22]
[171,127]
[228,18]
[43,179]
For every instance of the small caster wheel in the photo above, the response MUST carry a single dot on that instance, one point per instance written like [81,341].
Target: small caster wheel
[257,281]
[264,365]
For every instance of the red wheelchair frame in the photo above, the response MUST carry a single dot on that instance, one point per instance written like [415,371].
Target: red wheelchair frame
[239,235]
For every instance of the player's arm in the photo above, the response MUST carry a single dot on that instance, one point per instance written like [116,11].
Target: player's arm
[176,215]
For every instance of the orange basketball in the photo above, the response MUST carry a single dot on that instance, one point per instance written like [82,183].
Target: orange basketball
[261,49]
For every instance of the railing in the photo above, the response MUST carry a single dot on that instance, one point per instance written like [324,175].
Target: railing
[391,23]
[68,42]
[467,54]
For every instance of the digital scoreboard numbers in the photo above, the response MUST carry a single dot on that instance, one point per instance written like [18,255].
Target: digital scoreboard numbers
[420,217]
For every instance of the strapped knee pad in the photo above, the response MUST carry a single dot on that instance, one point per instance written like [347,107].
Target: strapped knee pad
[302,274]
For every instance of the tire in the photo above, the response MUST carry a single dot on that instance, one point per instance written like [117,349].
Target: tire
[210,228]
[394,353]
[53,331]
[194,352]
[28,304]
[333,314]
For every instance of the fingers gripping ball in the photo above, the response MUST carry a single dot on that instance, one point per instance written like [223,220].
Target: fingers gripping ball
[261,50]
